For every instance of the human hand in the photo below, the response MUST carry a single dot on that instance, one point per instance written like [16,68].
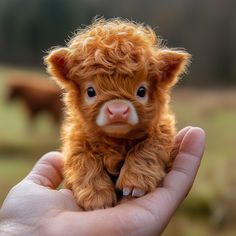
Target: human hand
[35,207]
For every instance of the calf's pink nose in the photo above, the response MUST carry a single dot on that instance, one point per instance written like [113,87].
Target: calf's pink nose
[118,111]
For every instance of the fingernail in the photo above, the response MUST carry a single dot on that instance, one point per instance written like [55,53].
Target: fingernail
[194,142]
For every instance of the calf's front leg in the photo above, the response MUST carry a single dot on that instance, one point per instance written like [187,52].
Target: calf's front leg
[144,168]
[86,177]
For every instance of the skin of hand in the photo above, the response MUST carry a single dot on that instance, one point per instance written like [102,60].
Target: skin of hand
[35,206]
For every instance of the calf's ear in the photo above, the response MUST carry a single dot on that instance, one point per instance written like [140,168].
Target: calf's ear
[56,62]
[170,65]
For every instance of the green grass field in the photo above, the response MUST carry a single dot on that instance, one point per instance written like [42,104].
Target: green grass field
[208,210]
[21,143]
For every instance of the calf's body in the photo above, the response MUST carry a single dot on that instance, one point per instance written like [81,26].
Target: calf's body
[118,132]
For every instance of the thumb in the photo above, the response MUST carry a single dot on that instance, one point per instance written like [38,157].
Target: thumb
[47,171]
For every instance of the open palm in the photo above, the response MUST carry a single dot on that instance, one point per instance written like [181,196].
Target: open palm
[36,207]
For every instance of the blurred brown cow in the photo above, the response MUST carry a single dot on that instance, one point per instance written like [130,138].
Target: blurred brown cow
[38,94]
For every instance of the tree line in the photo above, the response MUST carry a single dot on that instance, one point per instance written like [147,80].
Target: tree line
[207,29]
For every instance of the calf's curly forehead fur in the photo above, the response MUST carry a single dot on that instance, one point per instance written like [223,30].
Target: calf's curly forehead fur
[112,48]
[117,57]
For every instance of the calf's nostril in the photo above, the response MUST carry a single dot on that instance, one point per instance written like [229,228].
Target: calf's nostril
[126,111]
[109,111]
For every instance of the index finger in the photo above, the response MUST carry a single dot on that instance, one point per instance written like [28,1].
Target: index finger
[186,164]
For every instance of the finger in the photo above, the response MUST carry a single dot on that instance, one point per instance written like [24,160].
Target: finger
[179,137]
[186,164]
[47,171]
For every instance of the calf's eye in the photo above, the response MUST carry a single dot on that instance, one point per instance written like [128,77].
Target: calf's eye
[141,92]
[91,92]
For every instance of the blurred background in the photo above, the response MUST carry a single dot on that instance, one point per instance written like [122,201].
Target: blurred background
[30,106]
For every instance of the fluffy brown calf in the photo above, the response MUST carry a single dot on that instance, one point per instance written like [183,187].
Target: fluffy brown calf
[37,94]
[118,132]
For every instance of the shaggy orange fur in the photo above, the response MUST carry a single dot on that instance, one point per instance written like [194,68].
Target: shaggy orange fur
[113,59]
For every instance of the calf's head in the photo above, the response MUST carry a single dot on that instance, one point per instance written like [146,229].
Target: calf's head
[116,76]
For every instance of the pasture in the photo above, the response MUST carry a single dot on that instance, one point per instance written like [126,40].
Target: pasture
[210,208]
